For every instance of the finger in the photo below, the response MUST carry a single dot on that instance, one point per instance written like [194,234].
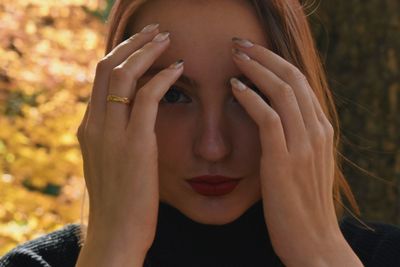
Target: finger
[82,142]
[144,112]
[124,78]
[103,69]
[281,95]
[82,126]
[81,131]
[318,109]
[326,126]
[270,125]
[288,73]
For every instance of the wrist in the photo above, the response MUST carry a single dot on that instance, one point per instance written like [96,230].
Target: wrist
[100,252]
[333,254]
[105,246]
[118,237]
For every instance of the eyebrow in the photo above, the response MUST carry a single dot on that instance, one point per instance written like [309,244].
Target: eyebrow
[187,80]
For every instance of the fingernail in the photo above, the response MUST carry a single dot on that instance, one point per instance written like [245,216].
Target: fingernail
[177,64]
[238,84]
[162,36]
[239,54]
[150,27]
[242,42]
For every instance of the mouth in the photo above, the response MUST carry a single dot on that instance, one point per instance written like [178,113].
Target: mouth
[213,185]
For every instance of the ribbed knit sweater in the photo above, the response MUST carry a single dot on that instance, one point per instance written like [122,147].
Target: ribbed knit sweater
[181,241]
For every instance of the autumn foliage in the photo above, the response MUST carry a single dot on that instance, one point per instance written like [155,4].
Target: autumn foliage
[48,50]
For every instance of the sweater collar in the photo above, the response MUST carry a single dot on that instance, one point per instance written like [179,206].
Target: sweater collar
[179,238]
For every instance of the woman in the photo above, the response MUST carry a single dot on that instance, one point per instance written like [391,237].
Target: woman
[225,158]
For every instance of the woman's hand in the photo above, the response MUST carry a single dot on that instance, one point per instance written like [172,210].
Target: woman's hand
[297,163]
[119,150]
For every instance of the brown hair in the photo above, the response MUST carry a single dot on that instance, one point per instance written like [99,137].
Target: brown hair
[289,33]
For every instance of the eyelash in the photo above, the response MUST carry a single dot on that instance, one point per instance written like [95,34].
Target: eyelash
[172,90]
[181,92]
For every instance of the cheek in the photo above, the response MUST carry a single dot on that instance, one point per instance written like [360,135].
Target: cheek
[247,141]
[246,131]
[173,135]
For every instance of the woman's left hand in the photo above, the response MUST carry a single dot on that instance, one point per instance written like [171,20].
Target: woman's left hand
[297,162]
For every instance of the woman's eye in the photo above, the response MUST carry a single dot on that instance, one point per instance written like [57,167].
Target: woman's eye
[173,95]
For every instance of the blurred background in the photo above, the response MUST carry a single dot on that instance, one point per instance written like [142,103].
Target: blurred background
[48,53]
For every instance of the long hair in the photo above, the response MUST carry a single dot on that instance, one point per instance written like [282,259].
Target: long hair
[289,35]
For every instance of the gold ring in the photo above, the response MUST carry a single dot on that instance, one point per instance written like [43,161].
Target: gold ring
[115,98]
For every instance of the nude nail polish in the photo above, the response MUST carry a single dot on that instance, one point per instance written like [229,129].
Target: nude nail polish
[242,42]
[177,64]
[162,36]
[150,27]
[237,84]
[239,54]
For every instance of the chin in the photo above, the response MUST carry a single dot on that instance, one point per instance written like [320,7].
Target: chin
[222,218]
[214,210]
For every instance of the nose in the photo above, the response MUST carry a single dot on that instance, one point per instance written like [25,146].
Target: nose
[212,142]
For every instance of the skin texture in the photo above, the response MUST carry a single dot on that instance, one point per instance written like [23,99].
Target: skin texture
[213,134]
[134,157]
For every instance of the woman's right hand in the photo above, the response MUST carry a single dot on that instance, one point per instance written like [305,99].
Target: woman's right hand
[119,150]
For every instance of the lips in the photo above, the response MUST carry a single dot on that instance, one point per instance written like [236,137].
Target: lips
[213,179]
[213,185]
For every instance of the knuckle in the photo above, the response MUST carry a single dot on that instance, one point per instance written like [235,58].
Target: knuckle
[270,119]
[330,131]
[103,64]
[285,91]
[79,132]
[294,73]
[120,74]
[317,137]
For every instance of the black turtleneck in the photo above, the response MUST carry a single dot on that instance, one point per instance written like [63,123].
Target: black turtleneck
[181,241]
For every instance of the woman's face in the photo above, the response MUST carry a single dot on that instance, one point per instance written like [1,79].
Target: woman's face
[201,129]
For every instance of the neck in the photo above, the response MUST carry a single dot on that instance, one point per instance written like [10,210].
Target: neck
[179,237]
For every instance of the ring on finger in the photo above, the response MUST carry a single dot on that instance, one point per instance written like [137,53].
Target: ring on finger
[119,99]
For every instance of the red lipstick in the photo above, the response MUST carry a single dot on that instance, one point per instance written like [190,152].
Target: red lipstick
[213,185]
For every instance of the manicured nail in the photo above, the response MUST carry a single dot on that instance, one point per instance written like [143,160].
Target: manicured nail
[162,36]
[150,27]
[237,84]
[239,54]
[242,42]
[177,64]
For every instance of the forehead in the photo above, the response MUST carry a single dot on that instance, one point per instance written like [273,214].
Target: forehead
[201,30]
[199,18]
